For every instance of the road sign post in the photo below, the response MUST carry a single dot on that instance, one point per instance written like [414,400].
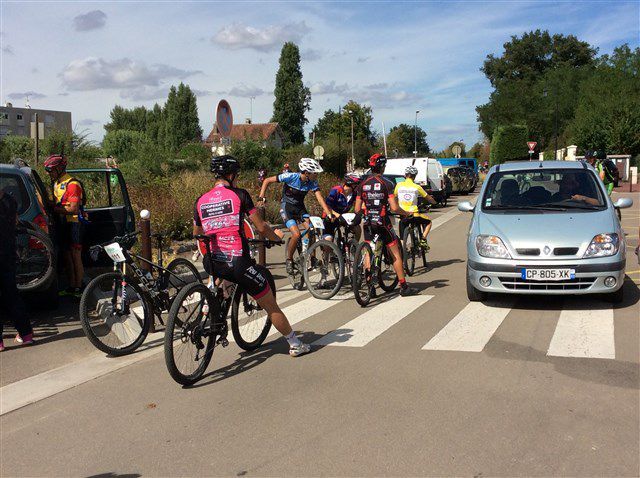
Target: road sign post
[318,152]
[532,147]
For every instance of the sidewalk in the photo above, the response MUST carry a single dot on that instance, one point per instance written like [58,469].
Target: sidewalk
[624,188]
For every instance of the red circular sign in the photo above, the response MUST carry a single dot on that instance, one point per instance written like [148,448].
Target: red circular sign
[224,118]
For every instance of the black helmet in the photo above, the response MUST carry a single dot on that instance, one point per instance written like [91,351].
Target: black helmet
[601,154]
[223,165]
[589,154]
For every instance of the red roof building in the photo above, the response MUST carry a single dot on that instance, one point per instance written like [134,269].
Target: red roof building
[269,134]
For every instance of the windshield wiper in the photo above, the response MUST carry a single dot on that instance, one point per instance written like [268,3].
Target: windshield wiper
[571,205]
[542,207]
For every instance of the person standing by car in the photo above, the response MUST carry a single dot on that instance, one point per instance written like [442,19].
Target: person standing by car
[69,198]
[597,160]
[9,296]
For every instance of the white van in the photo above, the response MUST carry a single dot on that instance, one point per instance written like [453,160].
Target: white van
[430,173]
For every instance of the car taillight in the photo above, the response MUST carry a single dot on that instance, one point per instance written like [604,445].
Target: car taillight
[41,222]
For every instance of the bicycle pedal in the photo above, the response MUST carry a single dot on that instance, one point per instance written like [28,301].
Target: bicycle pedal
[222,341]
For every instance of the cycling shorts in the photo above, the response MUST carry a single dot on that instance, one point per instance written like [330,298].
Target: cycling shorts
[71,236]
[244,271]
[292,214]
[385,233]
[416,220]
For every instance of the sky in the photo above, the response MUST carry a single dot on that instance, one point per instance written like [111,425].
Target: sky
[397,57]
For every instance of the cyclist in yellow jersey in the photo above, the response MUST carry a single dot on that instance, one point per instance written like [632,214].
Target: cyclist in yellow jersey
[409,194]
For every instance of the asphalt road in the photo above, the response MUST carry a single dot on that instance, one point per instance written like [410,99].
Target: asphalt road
[429,385]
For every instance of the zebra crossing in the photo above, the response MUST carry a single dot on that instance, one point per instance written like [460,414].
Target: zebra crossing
[578,333]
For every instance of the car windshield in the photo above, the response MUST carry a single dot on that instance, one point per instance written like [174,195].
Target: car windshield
[13,186]
[537,189]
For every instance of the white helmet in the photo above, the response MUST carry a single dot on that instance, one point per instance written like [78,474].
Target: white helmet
[309,165]
[411,170]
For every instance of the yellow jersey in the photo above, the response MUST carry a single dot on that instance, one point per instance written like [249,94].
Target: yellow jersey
[67,190]
[408,194]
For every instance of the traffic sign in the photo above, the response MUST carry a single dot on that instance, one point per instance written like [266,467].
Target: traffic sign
[532,145]
[318,151]
[456,150]
[224,118]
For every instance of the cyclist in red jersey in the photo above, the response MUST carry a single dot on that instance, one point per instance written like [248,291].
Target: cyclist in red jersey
[219,213]
[375,199]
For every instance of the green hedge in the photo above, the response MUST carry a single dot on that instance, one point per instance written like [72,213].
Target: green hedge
[509,143]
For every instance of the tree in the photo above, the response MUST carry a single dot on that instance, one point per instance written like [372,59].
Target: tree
[56,142]
[291,96]
[608,112]
[155,124]
[480,151]
[123,118]
[401,138]
[17,147]
[121,144]
[509,143]
[181,124]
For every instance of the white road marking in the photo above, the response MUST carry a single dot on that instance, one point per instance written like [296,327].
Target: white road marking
[584,333]
[446,217]
[471,329]
[369,325]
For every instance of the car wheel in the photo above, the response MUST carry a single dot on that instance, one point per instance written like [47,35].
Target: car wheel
[615,297]
[473,294]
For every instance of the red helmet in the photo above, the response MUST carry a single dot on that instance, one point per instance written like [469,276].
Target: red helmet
[54,161]
[377,160]
[286,165]
[352,179]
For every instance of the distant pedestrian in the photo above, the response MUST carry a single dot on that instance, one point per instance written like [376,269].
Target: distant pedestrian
[11,301]
[69,205]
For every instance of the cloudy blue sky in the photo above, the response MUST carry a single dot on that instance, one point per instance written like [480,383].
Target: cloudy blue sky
[85,57]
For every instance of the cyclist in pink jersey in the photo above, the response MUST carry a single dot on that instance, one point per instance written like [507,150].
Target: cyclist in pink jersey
[219,213]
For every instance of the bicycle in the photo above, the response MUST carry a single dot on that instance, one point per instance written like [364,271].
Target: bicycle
[336,263]
[411,248]
[297,279]
[35,258]
[118,307]
[369,264]
[198,322]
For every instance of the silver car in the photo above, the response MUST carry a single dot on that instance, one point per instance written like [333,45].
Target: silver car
[545,228]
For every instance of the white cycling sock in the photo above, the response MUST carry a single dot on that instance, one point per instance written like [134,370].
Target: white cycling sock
[292,339]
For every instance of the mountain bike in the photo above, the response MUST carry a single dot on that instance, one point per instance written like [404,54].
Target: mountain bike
[198,322]
[118,307]
[35,258]
[372,265]
[311,235]
[411,248]
[334,260]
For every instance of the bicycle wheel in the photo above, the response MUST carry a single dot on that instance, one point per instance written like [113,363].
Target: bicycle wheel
[409,247]
[349,256]
[387,277]
[361,280]
[297,278]
[114,321]
[35,259]
[184,272]
[188,338]
[250,323]
[323,276]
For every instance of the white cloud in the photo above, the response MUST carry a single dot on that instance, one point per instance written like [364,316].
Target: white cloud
[238,36]
[33,95]
[329,88]
[244,91]
[97,73]
[92,20]
[144,93]
[8,49]
[201,92]
[386,99]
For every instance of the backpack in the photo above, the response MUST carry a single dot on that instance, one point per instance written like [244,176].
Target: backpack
[611,173]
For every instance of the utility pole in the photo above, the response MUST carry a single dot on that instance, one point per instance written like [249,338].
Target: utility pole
[251,98]
[37,139]
[352,148]
[415,136]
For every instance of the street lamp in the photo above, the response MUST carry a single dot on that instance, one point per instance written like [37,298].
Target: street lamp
[352,150]
[415,136]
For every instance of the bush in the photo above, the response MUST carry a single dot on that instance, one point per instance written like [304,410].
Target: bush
[17,147]
[252,155]
[509,143]
[121,144]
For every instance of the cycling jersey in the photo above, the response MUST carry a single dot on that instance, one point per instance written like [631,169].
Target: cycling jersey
[375,192]
[408,194]
[339,201]
[220,213]
[68,190]
[295,189]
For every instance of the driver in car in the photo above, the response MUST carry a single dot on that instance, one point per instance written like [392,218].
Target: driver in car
[569,189]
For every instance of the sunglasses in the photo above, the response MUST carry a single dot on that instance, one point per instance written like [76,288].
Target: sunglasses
[48,169]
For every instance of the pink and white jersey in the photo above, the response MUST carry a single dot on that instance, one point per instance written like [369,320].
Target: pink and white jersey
[220,213]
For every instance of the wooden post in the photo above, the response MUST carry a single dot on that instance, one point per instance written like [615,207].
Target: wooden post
[37,149]
[145,242]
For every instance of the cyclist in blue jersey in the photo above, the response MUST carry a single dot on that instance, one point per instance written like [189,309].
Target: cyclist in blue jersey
[296,186]
[341,199]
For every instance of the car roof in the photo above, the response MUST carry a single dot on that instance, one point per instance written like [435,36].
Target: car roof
[12,168]
[528,165]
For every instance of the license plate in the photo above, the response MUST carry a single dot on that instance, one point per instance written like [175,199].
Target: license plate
[548,274]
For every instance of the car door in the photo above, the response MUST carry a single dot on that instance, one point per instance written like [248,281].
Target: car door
[108,206]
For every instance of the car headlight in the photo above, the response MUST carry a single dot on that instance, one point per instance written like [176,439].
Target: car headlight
[492,246]
[603,245]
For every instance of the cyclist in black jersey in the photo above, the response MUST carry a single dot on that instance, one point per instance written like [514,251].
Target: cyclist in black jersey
[375,199]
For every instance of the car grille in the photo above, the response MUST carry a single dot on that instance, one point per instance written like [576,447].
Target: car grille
[517,283]
[565,251]
[528,252]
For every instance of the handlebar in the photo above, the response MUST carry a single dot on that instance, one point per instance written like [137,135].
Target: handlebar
[118,239]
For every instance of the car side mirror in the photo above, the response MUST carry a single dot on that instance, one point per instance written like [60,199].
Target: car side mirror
[623,203]
[466,206]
